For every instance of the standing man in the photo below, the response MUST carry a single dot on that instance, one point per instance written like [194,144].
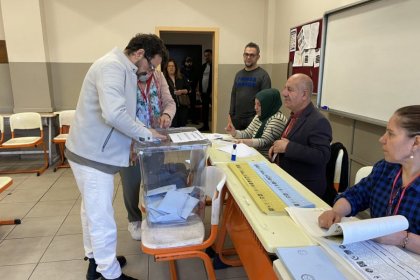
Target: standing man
[247,83]
[190,75]
[303,150]
[205,87]
[99,145]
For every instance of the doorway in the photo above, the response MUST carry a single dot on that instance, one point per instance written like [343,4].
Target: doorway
[183,40]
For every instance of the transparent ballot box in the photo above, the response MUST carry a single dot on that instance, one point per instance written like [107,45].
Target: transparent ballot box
[173,177]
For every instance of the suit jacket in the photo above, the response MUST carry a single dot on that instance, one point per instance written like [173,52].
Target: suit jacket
[308,151]
[200,81]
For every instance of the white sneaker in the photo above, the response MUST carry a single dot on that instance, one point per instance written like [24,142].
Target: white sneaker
[135,230]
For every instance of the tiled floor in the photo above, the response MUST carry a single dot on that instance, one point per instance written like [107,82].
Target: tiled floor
[48,243]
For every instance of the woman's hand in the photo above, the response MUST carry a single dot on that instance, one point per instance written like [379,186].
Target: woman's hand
[164,121]
[329,217]
[230,129]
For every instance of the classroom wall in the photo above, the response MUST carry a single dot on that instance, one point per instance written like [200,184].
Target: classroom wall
[360,138]
[75,33]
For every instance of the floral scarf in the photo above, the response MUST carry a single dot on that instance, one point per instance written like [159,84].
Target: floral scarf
[149,105]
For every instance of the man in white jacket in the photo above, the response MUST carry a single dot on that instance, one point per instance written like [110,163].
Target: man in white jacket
[99,145]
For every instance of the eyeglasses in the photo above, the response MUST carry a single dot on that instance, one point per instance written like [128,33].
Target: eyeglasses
[151,66]
[251,55]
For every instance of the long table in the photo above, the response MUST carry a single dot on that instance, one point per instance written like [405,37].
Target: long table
[254,234]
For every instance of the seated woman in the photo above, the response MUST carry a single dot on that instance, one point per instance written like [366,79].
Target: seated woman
[267,126]
[393,187]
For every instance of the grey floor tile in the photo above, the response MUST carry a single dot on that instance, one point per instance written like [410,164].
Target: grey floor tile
[72,225]
[51,208]
[24,195]
[55,194]
[121,220]
[16,272]
[75,210]
[16,210]
[23,251]
[65,247]
[37,227]
[126,245]
[158,270]
[236,273]
[137,267]
[5,230]
[191,269]
[50,205]
[64,270]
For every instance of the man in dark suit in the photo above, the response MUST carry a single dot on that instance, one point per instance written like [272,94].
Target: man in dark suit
[205,87]
[304,148]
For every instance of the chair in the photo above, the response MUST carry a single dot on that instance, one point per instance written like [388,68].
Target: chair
[187,240]
[6,182]
[362,173]
[65,118]
[26,121]
[337,172]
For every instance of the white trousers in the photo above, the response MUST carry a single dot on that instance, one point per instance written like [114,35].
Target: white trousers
[97,214]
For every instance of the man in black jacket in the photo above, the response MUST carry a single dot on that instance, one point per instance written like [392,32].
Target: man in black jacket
[303,150]
[205,87]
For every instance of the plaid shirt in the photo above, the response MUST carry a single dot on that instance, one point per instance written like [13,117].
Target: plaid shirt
[374,192]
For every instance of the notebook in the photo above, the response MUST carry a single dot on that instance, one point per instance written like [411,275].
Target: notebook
[309,262]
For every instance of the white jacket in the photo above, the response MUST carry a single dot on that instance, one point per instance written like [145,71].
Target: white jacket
[105,119]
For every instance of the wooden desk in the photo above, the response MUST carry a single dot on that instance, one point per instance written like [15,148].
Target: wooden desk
[49,117]
[254,234]
[5,183]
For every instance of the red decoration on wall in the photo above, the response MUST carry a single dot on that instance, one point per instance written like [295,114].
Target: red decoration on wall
[312,72]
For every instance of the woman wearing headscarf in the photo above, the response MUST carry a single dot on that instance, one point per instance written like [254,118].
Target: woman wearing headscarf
[267,125]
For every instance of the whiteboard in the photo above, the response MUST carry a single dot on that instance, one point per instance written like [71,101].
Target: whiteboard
[370,65]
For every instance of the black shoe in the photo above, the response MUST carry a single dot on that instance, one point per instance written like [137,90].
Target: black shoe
[122,277]
[92,274]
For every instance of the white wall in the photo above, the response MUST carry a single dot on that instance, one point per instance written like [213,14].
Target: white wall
[1,25]
[82,31]
[297,12]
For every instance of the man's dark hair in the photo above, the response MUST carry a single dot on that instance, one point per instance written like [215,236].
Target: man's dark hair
[150,43]
[208,51]
[254,46]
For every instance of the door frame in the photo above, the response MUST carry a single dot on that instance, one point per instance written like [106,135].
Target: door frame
[214,31]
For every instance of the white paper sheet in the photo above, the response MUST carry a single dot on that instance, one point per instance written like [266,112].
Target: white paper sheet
[308,57]
[317,58]
[183,137]
[297,60]
[242,150]
[352,229]
[293,35]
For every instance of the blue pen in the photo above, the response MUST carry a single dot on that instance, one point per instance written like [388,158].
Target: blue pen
[233,157]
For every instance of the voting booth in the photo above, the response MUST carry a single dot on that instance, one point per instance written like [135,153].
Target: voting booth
[173,177]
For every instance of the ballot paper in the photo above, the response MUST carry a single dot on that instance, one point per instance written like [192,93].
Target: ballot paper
[242,150]
[172,206]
